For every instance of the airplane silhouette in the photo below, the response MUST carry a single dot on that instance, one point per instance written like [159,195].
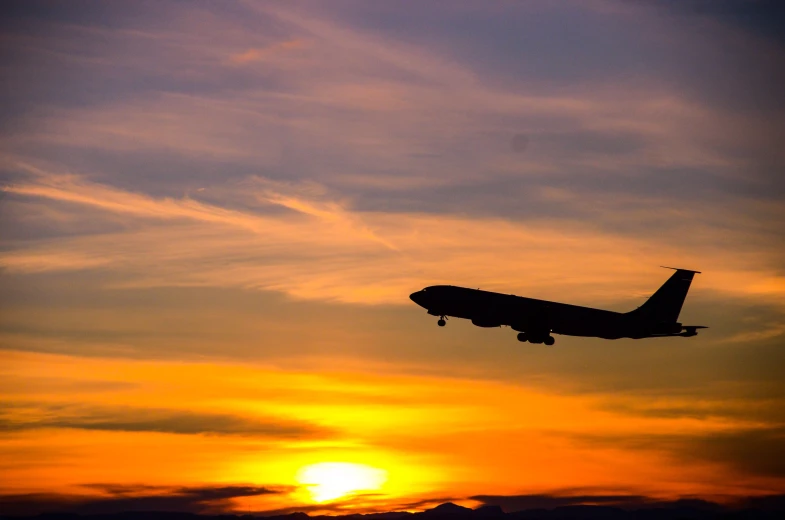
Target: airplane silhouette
[535,320]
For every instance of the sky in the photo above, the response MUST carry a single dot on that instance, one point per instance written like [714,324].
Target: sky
[212,215]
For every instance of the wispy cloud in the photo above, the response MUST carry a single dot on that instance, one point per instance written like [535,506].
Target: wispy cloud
[33,416]
[323,249]
[257,54]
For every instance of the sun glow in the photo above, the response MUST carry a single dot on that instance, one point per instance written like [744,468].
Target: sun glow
[331,480]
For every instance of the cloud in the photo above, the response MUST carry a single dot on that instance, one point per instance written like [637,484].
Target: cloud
[128,498]
[615,160]
[512,503]
[759,451]
[384,118]
[218,500]
[743,451]
[774,330]
[567,498]
[323,249]
[21,416]
[257,54]
[532,431]
[758,17]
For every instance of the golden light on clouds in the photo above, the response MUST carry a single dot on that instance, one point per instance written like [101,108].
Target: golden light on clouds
[322,249]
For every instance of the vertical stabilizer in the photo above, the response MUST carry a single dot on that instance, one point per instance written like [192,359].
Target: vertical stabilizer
[664,305]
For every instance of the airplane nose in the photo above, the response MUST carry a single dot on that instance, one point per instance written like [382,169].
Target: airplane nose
[416,297]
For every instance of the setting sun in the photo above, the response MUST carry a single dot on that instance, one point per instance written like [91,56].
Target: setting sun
[331,480]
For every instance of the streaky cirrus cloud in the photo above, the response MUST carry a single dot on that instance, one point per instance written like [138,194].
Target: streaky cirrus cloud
[355,250]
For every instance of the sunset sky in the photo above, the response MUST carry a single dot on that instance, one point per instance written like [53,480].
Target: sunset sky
[212,215]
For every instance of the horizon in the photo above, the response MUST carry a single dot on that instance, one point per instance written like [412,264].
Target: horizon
[543,506]
[212,216]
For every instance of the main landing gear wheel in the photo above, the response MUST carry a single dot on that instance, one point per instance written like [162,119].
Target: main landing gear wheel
[441,322]
[549,341]
[522,337]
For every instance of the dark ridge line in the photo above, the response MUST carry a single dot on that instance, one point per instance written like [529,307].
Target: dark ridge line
[450,511]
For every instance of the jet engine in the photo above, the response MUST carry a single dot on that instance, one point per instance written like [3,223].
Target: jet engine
[485,322]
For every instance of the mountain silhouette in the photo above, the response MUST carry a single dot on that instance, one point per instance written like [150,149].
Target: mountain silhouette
[447,510]
[770,509]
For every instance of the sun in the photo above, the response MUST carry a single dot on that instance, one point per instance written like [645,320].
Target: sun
[331,480]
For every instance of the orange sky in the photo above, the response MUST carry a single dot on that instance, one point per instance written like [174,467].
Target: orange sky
[75,421]
[212,216]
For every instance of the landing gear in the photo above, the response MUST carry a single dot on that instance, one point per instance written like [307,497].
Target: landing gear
[441,322]
[548,340]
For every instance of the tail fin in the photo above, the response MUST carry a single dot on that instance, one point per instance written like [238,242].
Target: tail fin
[665,304]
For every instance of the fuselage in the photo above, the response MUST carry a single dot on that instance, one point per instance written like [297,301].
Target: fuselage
[532,316]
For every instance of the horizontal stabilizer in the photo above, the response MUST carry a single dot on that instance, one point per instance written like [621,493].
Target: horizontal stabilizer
[691,330]
[680,269]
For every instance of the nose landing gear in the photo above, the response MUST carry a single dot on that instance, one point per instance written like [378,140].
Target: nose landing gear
[441,322]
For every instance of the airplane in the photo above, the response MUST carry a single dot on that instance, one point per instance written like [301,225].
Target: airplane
[536,320]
